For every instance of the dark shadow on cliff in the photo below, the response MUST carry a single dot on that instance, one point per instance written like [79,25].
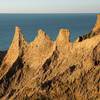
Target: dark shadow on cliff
[2,55]
[5,81]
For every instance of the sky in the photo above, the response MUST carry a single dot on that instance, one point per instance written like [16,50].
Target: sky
[49,6]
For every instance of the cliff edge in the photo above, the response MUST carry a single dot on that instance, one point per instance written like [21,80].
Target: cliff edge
[96,28]
[93,32]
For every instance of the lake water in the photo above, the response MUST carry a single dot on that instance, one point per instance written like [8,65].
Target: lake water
[78,24]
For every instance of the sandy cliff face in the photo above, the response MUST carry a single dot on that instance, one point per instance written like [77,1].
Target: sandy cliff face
[16,49]
[15,52]
[51,70]
[38,50]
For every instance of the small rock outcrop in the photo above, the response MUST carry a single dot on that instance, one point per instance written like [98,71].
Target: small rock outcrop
[51,70]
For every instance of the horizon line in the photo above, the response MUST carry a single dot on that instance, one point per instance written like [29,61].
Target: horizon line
[50,13]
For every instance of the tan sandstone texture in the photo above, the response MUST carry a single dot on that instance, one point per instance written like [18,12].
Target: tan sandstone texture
[51,70]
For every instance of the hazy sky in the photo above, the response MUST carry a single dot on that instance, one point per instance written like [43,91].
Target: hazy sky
[49,6]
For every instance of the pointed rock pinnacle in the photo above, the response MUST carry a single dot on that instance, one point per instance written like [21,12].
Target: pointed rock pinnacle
[63,37]
[16,48]
[42,38]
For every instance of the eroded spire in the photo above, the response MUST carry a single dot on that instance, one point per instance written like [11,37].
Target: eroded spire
[16,48]
[63,37]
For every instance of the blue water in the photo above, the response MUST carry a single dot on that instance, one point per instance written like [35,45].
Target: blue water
[51,23]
